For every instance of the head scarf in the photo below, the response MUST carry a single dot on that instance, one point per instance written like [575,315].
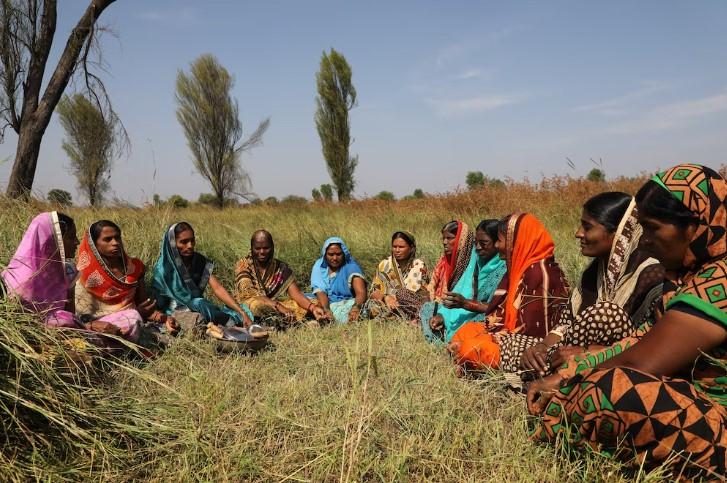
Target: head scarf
[338,287]
[527,242]
[616,279]
[38,274]
[100,281]
[172,281]
[449,269]
[252,281]
[703,192]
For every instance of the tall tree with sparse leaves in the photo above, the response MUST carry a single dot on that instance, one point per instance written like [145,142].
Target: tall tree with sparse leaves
[210,119]
[336,97]
[27,29]
[91,143]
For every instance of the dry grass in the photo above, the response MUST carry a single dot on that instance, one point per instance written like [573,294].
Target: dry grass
[370,401]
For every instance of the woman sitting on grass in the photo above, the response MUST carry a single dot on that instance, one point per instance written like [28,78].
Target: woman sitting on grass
[40,275]
[111,284]
[659,398]
[400,284]
[464,279]
[528,303]
[338,282]
[181,276]
[267,285]
[617,292]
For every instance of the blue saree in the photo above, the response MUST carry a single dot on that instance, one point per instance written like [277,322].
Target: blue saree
[338,285]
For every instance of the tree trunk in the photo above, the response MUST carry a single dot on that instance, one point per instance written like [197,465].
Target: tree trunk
[26,160]
[36,114]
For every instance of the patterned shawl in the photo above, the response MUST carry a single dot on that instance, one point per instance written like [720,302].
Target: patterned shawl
[173,285]
[101,282]
[273,282]
[703,283]
[616,279]
[37,274]
[527,242]
[390,276]
[338,287]
[449,269]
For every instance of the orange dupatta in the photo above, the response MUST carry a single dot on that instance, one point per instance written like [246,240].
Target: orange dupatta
[99,281]
[527,242]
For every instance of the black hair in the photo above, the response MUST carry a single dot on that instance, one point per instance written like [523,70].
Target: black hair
[655,201]
[608,208]
[451,227]
[489,226]
[98,227]
[404,236]
[66,222]
[502,224]
[264,233]
[181,227]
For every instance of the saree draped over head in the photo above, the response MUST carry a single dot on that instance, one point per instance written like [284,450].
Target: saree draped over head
[478,282]
[529,301]
[254,284]
[38,274]
[629,278]
[449,268]
[661,417]
[407,282]
[101,293]
[338,286]
[176,287]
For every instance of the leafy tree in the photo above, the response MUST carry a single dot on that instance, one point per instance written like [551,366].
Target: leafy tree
[91,143]
[27,29]
[418,194]
[294,200]
[475,180]
[385,196]
[336,96]
[596,175]
[210,119]
[60,197]
[207,199]
[317,196]
[270,200]
[177,201]
[327,192]
[157,200]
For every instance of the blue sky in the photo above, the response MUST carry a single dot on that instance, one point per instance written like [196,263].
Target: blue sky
[508,88]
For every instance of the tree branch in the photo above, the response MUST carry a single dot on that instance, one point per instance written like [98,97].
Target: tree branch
[67,63]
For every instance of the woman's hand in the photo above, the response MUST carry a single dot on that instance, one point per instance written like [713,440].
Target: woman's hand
[147,308]
[564,353]
[246,321]
[453,300]
[535,358]
[436,323]
[391,302]
[285,312]
[318,312]
[171,324]
[377,295]
[354,313]
[103,327]
[541,392]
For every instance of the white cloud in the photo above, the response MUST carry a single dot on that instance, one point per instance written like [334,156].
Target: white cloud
[618,106]
[453,107]
[177,15]
[673,115]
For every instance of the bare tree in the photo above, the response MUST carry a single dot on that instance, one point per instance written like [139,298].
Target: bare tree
[336,96]
[27,29]
[91,142]
[210,119]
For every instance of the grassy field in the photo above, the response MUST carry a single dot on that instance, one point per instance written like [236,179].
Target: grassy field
[365,402]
